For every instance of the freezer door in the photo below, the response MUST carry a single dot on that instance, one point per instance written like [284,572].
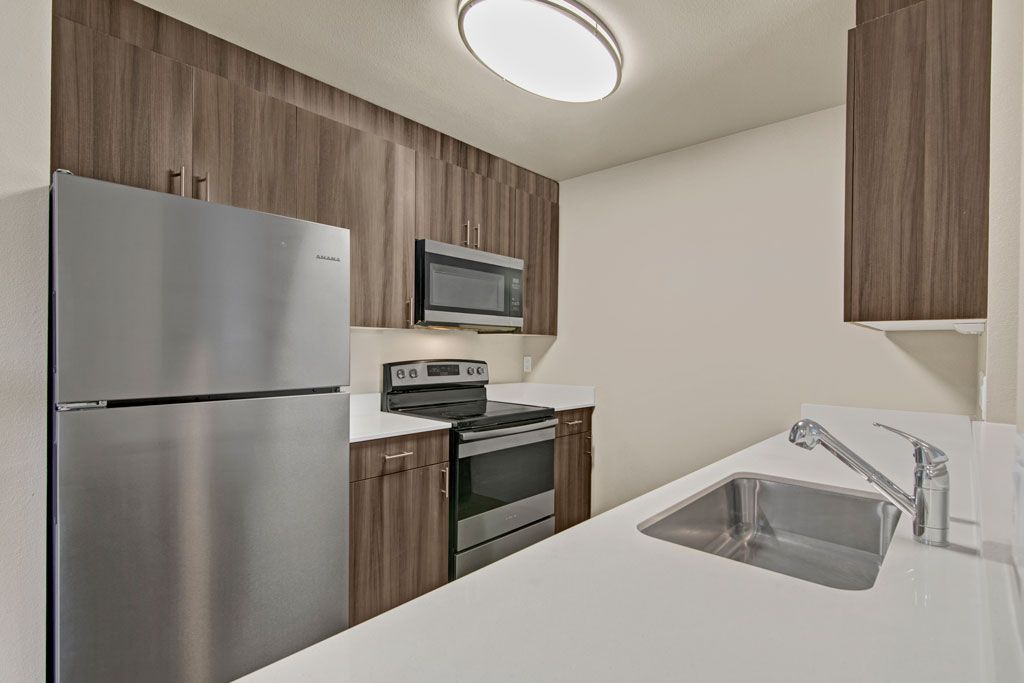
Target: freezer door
[159,296]
[199,541]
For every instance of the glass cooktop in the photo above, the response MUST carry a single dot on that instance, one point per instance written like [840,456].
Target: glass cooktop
[474,414]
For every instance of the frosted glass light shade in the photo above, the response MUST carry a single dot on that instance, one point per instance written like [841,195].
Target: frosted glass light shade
[553,48]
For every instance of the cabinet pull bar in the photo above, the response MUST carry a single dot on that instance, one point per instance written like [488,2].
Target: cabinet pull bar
[393,456]
[477,230]
[444,478]
[179,174]
[466,242]
[572,423]
[205,180]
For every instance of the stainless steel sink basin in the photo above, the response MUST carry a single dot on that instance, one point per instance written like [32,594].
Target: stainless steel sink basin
[811,533]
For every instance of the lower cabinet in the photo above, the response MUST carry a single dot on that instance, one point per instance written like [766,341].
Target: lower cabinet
[398,525]
[573,464]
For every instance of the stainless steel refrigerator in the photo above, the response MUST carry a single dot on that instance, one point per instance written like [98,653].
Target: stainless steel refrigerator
[199,461]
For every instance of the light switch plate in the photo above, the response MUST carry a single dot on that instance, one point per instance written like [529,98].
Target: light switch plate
[527,363]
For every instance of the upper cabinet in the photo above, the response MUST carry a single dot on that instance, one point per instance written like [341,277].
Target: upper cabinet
[917,161]
[120,113]
[244,150]
[536,240]
[359,181]
[142,99]
[460,207]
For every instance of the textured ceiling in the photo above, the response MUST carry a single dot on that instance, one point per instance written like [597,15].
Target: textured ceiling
[693,70]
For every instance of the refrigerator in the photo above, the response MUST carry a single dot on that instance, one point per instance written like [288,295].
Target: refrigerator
[199,359]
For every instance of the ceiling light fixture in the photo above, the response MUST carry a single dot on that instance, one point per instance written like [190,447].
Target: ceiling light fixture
[553,48]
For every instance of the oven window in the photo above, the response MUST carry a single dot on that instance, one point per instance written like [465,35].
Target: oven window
[456,287]
[491,480]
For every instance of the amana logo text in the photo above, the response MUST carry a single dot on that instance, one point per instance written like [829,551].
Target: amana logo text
[325,257]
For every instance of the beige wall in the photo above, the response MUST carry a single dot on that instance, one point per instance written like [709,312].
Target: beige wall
[701,292]
[1000,354]
[372,347]
[24,164]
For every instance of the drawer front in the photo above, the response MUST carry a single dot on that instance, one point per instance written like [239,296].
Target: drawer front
[573,421]
[387,456]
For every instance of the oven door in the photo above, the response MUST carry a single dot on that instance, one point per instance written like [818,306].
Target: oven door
[460,287]
[505,480]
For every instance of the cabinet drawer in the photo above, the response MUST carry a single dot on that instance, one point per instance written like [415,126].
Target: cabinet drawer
[386,456]
[573,421]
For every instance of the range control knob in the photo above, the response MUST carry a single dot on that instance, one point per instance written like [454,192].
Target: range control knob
[480,370]
[470,370]
[400,374]
[413,374]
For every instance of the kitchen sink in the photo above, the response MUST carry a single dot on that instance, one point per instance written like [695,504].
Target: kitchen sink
[805,531]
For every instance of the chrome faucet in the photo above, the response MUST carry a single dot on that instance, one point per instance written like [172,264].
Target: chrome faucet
[929,505]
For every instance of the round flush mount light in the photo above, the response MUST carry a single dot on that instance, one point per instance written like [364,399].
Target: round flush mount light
[553,48]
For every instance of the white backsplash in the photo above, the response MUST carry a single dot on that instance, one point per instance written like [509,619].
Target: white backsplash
[371,348]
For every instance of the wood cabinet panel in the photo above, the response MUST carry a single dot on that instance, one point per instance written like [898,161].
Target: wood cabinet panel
[385,456]
[917,166]
[444,200]
[244,148]
[573,421]
[536,242]
[119,113]
[358,181]
[494,218]
[399,539]
[573,458]
[868,10]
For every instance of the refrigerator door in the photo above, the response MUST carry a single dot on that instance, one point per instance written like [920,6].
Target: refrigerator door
[160,296]
[199,541]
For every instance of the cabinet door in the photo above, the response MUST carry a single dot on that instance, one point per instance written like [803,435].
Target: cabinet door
[399,546]
[445,197]
[355,180]
[120,113]
[572,480]
[493,218]
[244,148]
[536,242]
[917,163]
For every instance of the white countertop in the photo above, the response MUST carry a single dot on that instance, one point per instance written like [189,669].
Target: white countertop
[603,602]
[367,422]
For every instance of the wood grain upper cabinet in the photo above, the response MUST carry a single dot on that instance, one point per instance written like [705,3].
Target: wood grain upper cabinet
[244,148]
[459,207]
[536,242]
[356,180]
[917,163]
[120,113]
[399,544]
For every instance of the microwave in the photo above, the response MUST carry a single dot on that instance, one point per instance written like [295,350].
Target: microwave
[467,288]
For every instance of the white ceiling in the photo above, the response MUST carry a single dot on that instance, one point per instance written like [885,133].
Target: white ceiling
[693,70]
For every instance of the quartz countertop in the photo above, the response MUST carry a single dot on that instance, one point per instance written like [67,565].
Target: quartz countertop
[604,602]
[367,422]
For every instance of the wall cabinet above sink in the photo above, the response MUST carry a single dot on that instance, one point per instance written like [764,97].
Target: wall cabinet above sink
[918,161]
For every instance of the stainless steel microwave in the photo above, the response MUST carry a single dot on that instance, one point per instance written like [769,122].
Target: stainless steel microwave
[467,288]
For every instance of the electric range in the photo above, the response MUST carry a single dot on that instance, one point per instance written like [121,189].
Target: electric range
[502,458]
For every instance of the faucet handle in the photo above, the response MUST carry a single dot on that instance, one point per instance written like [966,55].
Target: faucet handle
[924,452]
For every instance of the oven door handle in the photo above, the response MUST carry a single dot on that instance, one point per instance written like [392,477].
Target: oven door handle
[491,433]
[500,443]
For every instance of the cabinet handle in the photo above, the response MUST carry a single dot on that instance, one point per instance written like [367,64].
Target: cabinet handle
[477,230]
[573,423]
[179,174]
[444,478]
[409,318]
[200,180]
[465,243]
[399,455]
